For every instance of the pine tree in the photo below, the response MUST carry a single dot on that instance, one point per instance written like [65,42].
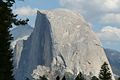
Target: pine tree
[94,78]
[7,18]
[57,78]
[105,72]
[43,78]
[63,78]
[80,76]
[119,78]
[27,79]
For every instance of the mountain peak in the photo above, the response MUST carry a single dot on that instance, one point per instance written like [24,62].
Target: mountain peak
[63,42]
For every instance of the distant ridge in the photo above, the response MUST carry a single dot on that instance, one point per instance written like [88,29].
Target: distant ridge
[114,59]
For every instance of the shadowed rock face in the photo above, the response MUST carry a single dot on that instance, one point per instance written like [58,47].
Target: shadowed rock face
[37,50]
[19,33]
[64,42]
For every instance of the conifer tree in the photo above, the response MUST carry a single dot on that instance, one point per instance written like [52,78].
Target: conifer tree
[80,76]
[27,79]
[94,78]
[105,72]
[63,78]
[119,78]
[43,78]
[57,78]
[7,18]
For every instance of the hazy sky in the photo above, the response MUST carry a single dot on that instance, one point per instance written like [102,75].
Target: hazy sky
[102,15]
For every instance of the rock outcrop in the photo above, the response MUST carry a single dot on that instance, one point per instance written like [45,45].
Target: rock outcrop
[63,41]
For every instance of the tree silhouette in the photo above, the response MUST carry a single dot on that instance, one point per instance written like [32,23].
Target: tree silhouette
[80,76]
[63,78]
[57,78]
[105,72]
[119,78]
[43,78]
[94,78]
[7,18]
[27,79]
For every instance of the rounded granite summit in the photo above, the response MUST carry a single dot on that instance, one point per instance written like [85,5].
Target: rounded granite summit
[63,41]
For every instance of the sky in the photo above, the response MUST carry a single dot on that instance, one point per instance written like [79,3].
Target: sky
[102,15]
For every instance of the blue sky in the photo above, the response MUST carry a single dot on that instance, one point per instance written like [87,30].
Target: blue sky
[40,4]
[35,4]
[102,15]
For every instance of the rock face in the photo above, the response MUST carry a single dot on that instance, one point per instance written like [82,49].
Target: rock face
[19,34]
[62,41]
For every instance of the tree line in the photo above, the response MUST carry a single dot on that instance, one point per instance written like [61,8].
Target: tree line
[104,74]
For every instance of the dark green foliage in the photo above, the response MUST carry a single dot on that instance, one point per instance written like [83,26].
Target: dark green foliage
[57,78]
[7,18]
[63,78]
[80,76]
[27,79]
[43,78]
[119,78]
[6,66]
[105,72]
[94,78]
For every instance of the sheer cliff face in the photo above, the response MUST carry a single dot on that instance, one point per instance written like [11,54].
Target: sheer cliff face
[61,40]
